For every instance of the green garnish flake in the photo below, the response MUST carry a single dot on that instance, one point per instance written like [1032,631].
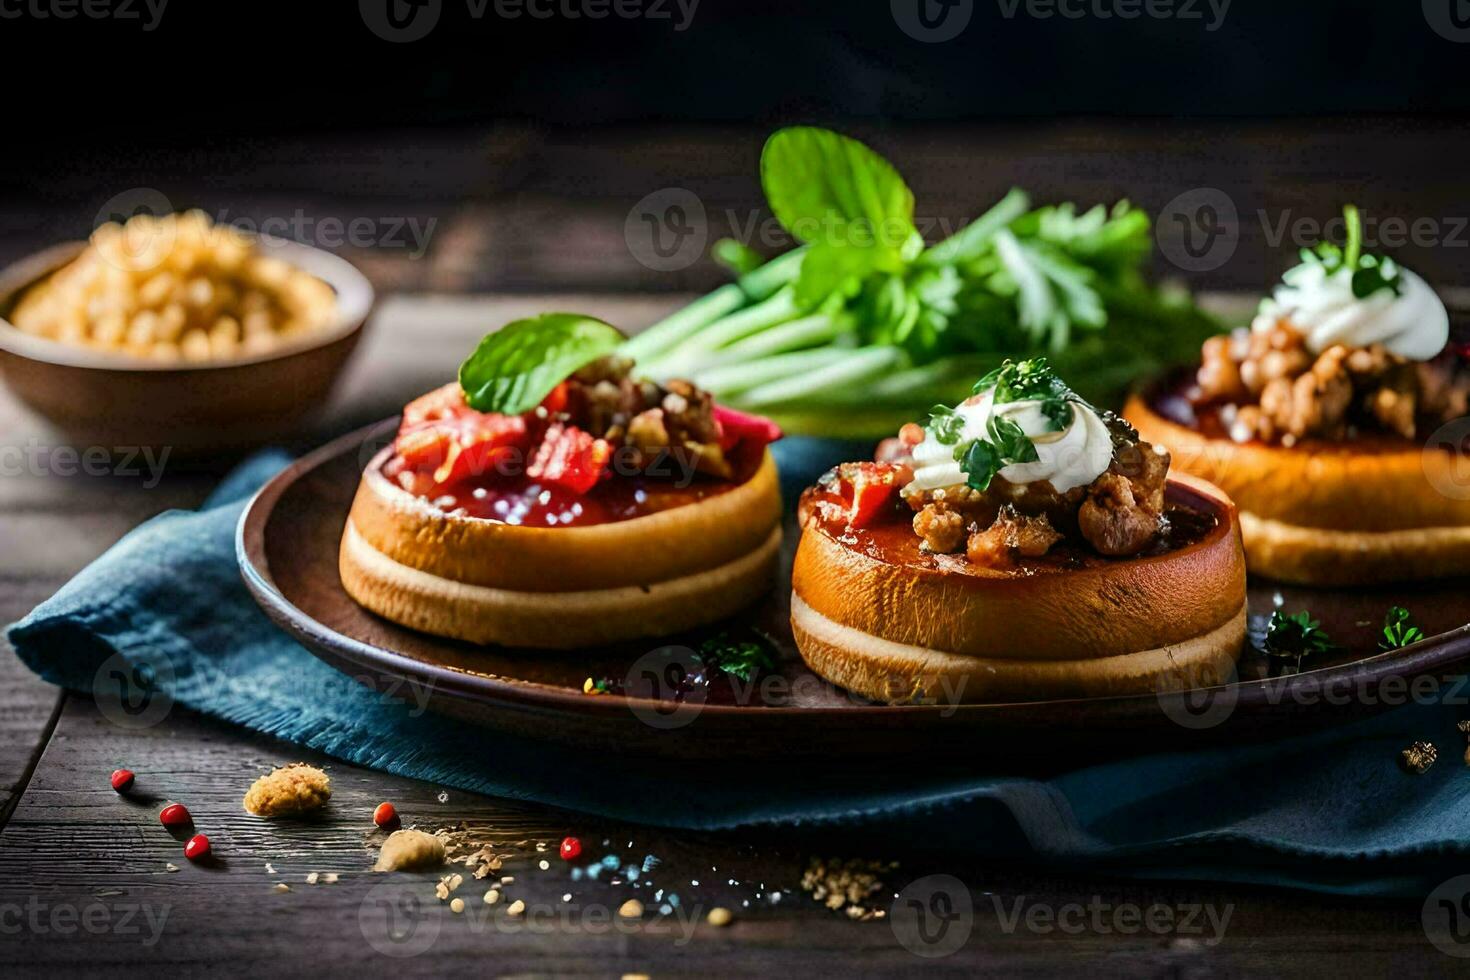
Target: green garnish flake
[945,424]
[1005,442]
[1370,273]
[1399,630]
[1296,637]
[740,658]
[1033,379]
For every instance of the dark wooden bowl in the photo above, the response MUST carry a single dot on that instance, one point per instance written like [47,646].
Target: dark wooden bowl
[287,544]
[100,398]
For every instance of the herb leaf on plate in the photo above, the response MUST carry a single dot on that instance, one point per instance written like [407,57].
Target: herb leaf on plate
[1399,630]
[515,367]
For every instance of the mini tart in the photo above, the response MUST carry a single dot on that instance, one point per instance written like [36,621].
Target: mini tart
[1330,513]
[939,628]
[484,581]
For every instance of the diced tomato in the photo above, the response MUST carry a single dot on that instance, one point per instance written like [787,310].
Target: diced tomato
[441,403]
[556,401]
[867,488]
[738,427]
[569,458]
[461,447]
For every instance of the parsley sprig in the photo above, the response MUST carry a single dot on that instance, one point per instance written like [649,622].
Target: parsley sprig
[738,656]
[1399,630]
[1005,442]
[1016,381]
[1370,273]
[1296,637]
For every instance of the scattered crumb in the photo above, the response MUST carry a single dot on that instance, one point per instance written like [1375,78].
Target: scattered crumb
[270,869]
[408,849]
[297,788]
[540,846]
[330,878]
[1418,757]
[516,908]
[313,878]
[170,866]
[846,884]
[282,887]
[491,897]
[457,906]
[631,909]
[719,917]
[1464,726]
[508,879]
[566,897]
[635,976]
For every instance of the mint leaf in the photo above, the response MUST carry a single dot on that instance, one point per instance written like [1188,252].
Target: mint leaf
[515,367]
[831,267]
[824,187]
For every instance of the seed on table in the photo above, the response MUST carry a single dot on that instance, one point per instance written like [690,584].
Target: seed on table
[516,908]
[491,897]
[197,848]
[631,909]
[571,849]
[719,917]
[385,816]
[122,780]
[457,906]
[175,815]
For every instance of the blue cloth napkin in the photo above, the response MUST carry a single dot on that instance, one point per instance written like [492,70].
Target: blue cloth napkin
[1330,811]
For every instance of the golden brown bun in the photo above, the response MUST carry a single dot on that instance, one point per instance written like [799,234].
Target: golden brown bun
[1322,513]
[560,588]
[965,633]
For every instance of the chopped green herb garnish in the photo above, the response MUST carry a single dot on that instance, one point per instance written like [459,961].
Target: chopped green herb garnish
[1370,273]
[1296,637]
[1009,441]
[980,462]
[945,424]
[1398,630]
[1016,381]
[742,658]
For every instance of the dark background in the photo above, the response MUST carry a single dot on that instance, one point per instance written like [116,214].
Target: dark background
[528,139]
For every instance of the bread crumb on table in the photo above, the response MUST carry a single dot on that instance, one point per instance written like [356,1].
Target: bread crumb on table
[297,788]
[405,850]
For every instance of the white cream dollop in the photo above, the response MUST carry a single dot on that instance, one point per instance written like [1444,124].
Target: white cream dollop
[1413,324]
[1073,457]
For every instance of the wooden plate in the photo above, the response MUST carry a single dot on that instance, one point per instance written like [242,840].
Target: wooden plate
[287,545]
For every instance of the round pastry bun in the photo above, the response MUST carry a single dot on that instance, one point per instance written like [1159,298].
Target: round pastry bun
[1330,513]
[960,633]
[484,581]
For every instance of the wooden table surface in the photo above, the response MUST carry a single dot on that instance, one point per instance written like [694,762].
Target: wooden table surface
[85,878]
